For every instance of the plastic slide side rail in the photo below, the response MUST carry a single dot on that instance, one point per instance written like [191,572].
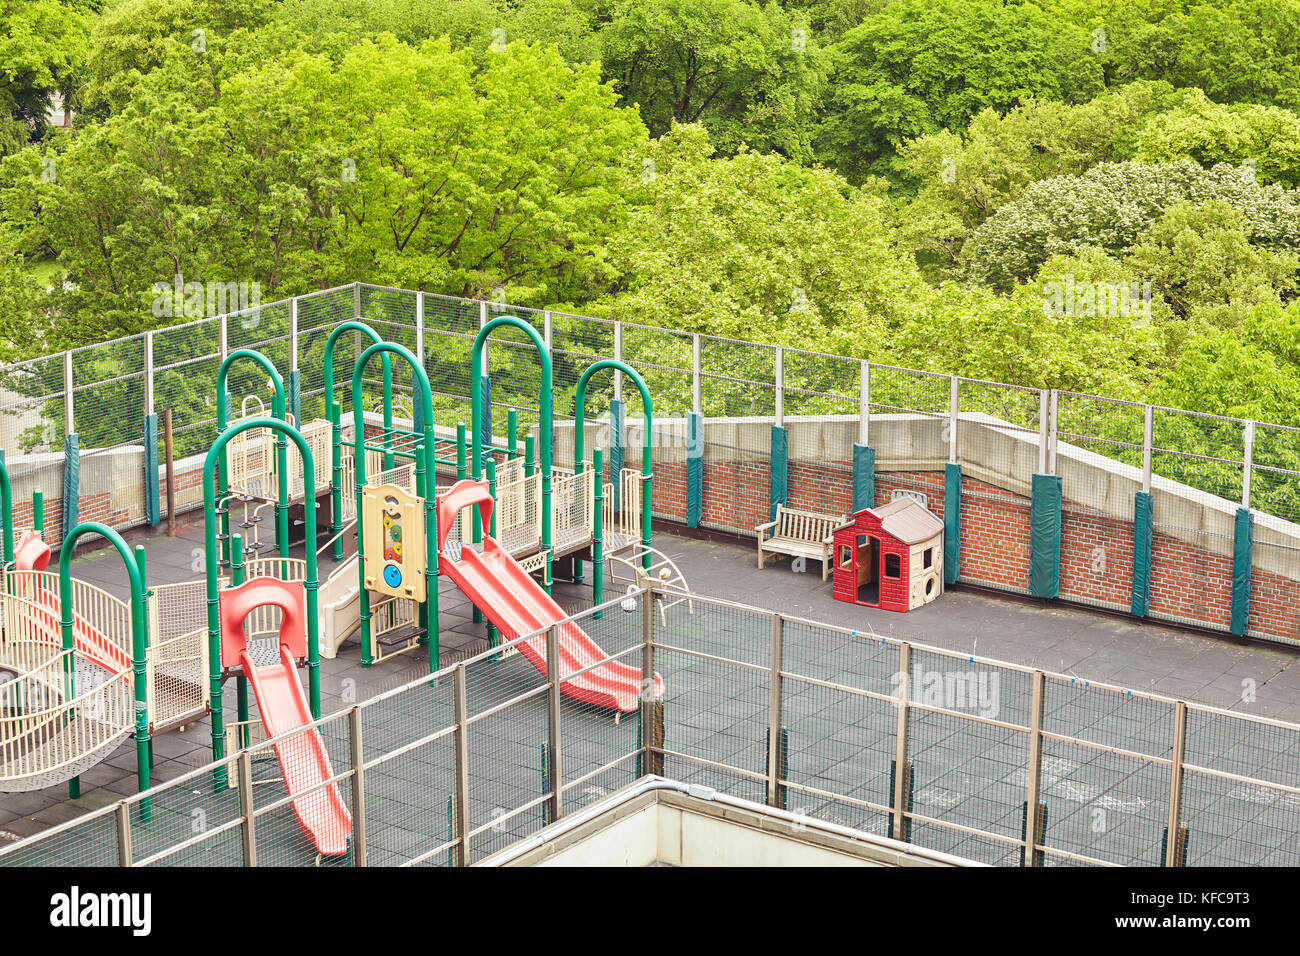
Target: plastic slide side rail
[518,605]
[303,761]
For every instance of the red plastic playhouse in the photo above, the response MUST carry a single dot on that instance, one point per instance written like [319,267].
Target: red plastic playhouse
[890,557]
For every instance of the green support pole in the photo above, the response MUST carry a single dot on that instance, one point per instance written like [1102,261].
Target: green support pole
[1243,540]
[278,407]
[1142,539]
[512,439]
[598,535]
[7,512]
[616,436]
[311,584]
[152,505]
[71,481]
[530,464]
[481,405]
[483,419]
[864,477]
[38,512]
[334,413]
[1045,536]
[694,469]
[461,472]
[779,487]
[139,642]
[142,565]
[425,472]
[951,522]
[492,530]
[241,682]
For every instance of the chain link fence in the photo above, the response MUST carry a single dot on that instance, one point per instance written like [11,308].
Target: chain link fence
[991,761]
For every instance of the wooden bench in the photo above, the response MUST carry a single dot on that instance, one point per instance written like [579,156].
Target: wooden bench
[800,534]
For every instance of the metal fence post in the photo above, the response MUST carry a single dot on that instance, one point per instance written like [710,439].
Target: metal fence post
[148,374]
[462,769]
[618,375]
[554,767]
[1033,812]
[69,420]
[902,767]
[774,736]
[356,301]
[248,828]
[419,326]
[357,755]
[780,388]
[649,761]
[123,817]
[293,334]
[697,377]
[864,405]
[1175,834]
[1044,427]
[1053,430]
[547,330]
[954,415]
[1247,462]
[1148,432]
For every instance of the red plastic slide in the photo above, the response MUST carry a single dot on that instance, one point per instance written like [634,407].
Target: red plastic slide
[518,605]
[283,707]
[33,554]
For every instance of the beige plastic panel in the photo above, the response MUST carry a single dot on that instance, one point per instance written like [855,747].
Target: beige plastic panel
[394,541]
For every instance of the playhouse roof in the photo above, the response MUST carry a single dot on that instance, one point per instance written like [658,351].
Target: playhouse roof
[908,520]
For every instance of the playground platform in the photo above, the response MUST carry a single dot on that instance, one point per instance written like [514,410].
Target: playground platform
[1256,679]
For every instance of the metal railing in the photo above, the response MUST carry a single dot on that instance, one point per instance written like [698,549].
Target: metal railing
[991,761]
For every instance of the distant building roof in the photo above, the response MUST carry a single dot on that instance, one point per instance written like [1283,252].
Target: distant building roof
[908,520]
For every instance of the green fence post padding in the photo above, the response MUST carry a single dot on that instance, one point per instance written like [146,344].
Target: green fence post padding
[1142,532]
[864,477]
[1045,536]
[951,522]
[616,451]
[152,507]
[71,482]
[780,464]
[694,469]
[485,422]
[1243,541]
[293,390]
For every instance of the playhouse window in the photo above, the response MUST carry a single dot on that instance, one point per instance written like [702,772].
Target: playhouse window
[893,567]
[846,556]
[927,559]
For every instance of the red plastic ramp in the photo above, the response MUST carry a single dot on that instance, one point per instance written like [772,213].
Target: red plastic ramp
[518,605]
[283,707]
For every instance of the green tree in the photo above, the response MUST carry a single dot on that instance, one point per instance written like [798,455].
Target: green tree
[42,43]
[750,73]
[921,66]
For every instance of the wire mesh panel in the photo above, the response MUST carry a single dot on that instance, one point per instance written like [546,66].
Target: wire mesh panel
[965,769]
[1109,801]
[1238,823]
[821,417]
[182,824]
[91,842]
[1099,459]
[715,663]
[838,740]
[318,315]
[410,772]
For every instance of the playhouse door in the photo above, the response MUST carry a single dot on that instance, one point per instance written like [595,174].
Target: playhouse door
[868,570]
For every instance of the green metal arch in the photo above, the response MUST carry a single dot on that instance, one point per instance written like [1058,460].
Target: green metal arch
[139,635]
[647,456]
[215,453]
[278,409]
[425,487]
[334,413]
[545,405]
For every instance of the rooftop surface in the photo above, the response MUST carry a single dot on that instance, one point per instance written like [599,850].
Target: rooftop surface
[1220,672]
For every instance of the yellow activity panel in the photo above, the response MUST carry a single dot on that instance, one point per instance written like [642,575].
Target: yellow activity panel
[393,549]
